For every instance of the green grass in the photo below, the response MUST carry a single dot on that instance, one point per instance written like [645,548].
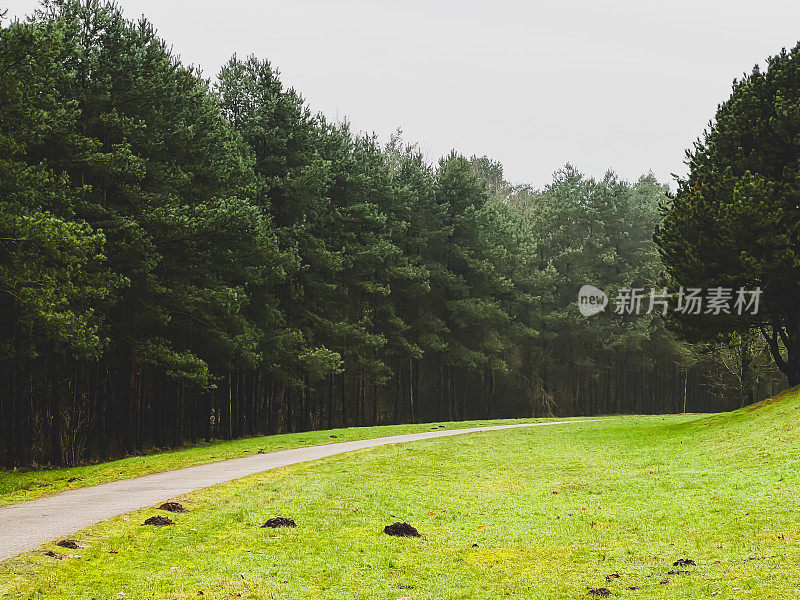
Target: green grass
[20,485]
[553,511]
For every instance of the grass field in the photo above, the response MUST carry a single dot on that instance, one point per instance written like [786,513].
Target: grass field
[17,486]
[541,513]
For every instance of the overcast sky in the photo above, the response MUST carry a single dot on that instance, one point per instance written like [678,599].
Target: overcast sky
[626,84]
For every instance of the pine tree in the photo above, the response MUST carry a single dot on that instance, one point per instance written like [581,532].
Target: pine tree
[734,220]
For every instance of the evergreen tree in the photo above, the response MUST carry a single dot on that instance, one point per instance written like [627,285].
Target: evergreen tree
[734,220]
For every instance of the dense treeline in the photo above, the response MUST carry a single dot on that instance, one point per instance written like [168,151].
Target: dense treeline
[182,260]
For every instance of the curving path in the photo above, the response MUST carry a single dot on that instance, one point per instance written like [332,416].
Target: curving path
[27,525]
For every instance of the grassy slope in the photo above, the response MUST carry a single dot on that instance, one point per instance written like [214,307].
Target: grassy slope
[19,485]
[554,510]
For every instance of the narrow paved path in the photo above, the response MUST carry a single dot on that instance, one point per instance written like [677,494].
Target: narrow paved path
[27,525]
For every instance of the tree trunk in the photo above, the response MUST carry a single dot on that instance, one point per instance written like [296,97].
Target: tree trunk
[411,389]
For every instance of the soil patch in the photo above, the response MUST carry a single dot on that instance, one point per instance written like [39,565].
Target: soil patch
[159,521]
[52,554]
[600,592]
[684,562]
[72,545]
[173,507]
[401,530]
[280,522]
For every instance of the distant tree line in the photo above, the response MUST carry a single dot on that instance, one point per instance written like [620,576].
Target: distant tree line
[182,260]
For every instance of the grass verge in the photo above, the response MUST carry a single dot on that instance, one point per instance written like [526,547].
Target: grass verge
[29,484]
[568,511]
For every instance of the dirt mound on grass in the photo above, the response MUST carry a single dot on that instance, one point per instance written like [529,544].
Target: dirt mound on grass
[600,592]
[52,554]
[72,545]
[684,562]
[280,522]
[401,530]
[174,507]
[159,521]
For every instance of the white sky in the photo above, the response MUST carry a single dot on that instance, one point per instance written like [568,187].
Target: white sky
[627,84]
